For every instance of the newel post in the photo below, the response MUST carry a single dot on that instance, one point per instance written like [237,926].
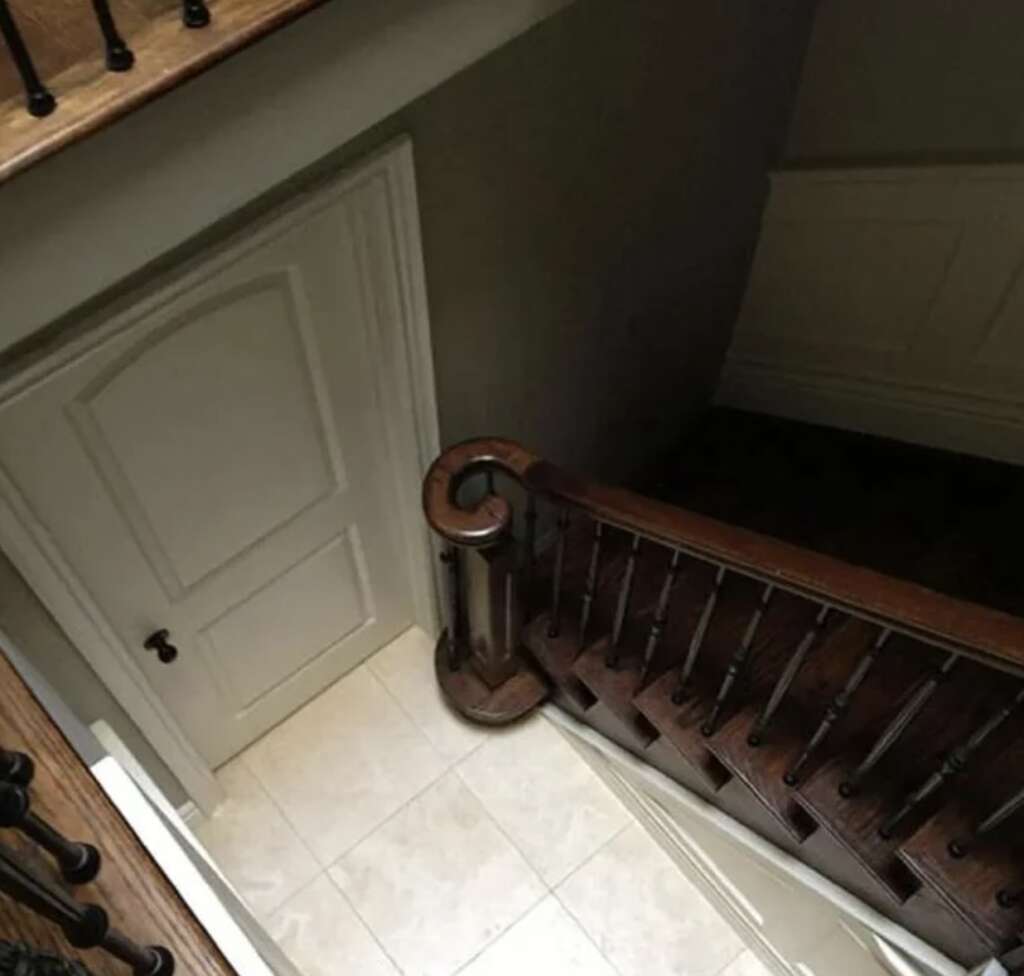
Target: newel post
[479,659]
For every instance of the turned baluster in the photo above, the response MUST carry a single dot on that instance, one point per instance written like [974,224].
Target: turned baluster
[837,707]
[119,57]
[622,607]
[593,569]
[1010,897]
[697,641]
[195,13]
[84,926]
[79,863]
[788,676]
[16,767]
[660,613]
[953,765]
[530,541]
[554,620]
[900,723]
[960,847]
[738,664]
[450,560]
[38,98]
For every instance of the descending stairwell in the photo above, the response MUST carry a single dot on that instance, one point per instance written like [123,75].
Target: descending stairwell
[869,726]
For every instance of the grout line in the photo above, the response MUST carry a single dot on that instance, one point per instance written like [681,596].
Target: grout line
[412,718]
[362,921]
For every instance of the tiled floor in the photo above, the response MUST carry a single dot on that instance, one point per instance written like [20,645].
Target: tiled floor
[394,839]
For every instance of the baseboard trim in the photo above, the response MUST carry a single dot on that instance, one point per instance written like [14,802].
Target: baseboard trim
[946,419]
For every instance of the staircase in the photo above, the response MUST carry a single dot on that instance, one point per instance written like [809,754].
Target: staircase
[867,725]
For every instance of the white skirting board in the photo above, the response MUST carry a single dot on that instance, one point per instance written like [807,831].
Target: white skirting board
[793,918]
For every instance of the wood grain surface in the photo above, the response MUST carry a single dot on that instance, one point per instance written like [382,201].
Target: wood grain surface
[64,40]
[133,890]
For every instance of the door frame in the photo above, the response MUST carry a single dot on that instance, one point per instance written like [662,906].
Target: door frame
[400,350]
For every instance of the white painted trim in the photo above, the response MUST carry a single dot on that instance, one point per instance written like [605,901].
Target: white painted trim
[626,770]
[405,381]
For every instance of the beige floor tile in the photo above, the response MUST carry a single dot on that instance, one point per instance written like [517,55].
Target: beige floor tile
[344,763]
[406,667]
[321,934]
[544,796]
[746,964]
[438,881]
[547,942]
[254,845]
[643,915]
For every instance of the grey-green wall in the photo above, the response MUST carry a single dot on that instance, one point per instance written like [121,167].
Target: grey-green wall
[590,197]
[919,80]
[24,619]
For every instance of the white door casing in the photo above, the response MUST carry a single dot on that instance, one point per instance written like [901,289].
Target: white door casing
[236,456]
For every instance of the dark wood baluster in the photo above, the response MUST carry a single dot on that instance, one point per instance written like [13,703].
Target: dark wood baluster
[593,568]
[697,641]
[554,621]
[660,613]
[450,558]
[79,863]
[788,676]
[738,664]
[954,764]
[999,816]
[837,707]
[119,57]
[530,539]
[16,767]
[622,608]
[194,13]
[1010,897]
[900,723]
[39,100]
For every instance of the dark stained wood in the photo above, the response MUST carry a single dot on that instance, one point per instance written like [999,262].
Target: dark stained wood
[64,39]
[968,885]
[477,701]
[139,899]
[996,637]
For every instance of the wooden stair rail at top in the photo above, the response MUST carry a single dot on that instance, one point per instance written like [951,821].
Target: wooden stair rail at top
[991,636]
[89,97]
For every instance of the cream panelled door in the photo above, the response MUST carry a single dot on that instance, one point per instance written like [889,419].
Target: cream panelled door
[216,466]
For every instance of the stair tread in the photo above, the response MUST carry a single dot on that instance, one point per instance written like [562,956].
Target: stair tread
[678,723]
[969,884]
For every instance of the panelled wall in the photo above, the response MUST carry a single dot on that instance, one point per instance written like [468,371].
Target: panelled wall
[890,301]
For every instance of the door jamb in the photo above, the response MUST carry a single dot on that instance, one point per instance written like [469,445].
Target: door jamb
[400,348]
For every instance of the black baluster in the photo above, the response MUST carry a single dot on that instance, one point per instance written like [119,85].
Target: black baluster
[697,641]
[622,608]
[960,847]
[450,559]
[38,99]
[593,568]
[738,664]
[660,613]
[84,926]
[900,723]
[119,57]
[837,707]
[1010,897]
[195,13]
[788,676]
[554,621]
[16,767]
[79,863]
[954,764]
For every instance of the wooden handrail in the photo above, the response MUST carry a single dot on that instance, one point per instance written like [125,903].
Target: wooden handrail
[992,635]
